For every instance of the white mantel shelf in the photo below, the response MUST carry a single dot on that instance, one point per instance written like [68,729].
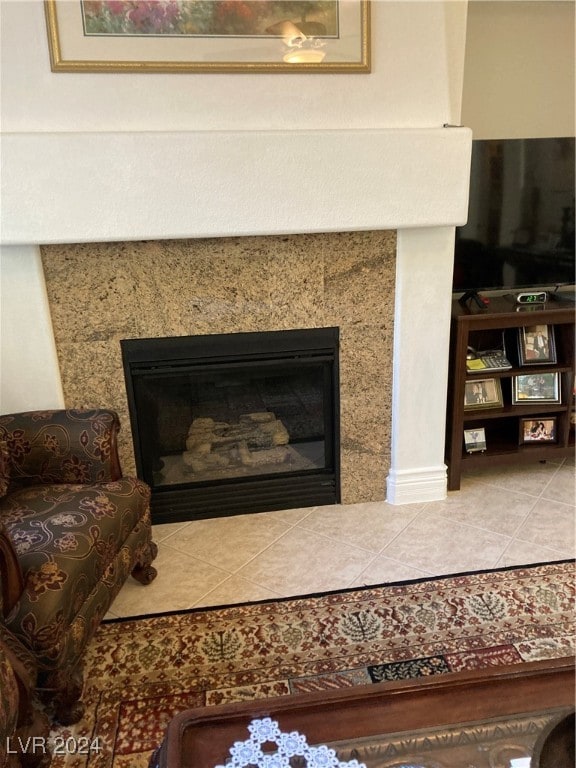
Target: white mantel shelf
[72,187]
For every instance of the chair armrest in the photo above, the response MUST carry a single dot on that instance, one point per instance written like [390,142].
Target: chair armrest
[63,446]
[11,578]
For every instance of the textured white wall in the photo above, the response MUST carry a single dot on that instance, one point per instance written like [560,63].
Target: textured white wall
[415,81]
[519,69]
[29,373]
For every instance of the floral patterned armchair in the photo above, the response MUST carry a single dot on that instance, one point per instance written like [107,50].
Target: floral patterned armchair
[72,530]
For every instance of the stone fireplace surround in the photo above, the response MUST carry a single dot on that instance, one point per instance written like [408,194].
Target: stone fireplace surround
[229,285]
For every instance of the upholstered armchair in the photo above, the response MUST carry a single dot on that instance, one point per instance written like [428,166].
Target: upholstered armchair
[72,530]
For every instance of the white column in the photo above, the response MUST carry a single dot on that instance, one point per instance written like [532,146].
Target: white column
[30,375]
[421,342]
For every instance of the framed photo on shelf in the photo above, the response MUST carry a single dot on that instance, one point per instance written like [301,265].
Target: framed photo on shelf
[536,345]
[538,430]
[475,440]
[482,393]
[536,388]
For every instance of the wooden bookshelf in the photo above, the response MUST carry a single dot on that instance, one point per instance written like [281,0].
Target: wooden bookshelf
[499,322]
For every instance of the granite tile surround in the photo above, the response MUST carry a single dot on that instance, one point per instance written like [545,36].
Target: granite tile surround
[100,293]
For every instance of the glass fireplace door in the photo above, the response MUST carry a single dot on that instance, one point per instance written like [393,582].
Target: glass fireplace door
[259,419]
[227,422]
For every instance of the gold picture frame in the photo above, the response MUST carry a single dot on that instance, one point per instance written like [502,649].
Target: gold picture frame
[482,393]
[328,36]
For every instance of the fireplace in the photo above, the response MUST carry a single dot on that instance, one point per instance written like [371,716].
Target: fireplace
[234,423]
[229,286]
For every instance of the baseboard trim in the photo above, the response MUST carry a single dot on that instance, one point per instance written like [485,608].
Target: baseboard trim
[413,486]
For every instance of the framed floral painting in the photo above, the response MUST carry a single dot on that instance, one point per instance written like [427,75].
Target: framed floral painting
[206,36]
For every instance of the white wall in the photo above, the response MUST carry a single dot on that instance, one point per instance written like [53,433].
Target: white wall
[415,81]
[519,69]
[90,157]
[29,373]
[127,156]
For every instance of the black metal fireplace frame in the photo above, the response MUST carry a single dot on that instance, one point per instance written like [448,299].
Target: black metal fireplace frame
[245,495]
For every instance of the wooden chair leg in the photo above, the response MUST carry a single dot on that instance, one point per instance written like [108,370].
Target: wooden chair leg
[144,572]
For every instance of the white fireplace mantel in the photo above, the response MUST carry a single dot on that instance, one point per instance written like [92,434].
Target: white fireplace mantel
[82,187]
[86,187]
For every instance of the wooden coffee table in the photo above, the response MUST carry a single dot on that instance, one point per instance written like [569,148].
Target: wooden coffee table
[483,715]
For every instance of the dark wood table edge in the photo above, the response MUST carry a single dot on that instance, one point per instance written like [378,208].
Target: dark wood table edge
[202,737]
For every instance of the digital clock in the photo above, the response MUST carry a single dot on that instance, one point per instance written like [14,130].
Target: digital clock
[532,297]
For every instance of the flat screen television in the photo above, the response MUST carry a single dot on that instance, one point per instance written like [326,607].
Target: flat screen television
[520,229]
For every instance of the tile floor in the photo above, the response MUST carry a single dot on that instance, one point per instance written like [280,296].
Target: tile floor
[513,516]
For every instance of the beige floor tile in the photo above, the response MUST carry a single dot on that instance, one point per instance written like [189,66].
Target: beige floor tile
[550,523]
[181,581]
[437,545]
[487,507]
[290,516]
[507,517]
[228,542]
[303,561]
[371,526]
[163,531]
[562,487]
[531,478]
[236,590]
[524,553]
[383,570]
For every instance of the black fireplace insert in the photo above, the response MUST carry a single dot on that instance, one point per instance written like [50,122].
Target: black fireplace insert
[229,424]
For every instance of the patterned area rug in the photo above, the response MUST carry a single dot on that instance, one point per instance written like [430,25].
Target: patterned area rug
[141,672]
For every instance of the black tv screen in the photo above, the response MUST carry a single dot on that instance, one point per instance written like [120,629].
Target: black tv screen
[520,228]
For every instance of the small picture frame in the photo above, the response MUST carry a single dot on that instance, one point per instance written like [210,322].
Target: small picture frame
[536,388]
[534,430]
[536,345]
[482,393]
[475,440]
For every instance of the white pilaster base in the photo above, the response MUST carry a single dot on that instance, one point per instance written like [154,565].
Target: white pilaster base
[411,486]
